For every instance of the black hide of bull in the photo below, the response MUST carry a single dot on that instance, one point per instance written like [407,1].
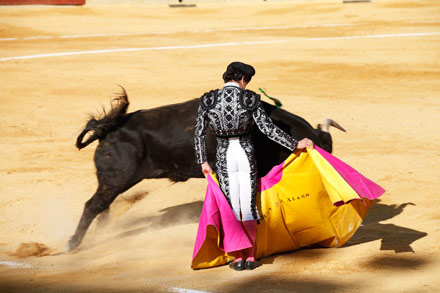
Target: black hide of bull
[158,143]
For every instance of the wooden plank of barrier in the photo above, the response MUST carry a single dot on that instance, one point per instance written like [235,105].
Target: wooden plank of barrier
[42,2]
[356,1]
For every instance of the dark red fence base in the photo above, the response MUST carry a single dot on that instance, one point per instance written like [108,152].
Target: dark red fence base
[42,2]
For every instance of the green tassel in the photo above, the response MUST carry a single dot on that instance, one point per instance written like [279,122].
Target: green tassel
[277,102]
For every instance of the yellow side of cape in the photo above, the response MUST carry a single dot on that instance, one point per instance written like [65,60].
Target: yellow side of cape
[298,211]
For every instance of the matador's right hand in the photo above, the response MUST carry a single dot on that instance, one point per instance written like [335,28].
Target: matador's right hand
[206,169]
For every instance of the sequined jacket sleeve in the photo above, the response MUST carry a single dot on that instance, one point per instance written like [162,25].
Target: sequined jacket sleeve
[200,135]
[272,131]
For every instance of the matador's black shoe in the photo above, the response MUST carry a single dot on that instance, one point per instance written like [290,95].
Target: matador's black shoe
[250,265]
[237,266]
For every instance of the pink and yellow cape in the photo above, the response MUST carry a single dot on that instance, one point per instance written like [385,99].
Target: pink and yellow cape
[312,198]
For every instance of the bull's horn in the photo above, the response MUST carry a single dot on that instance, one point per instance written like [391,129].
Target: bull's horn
[331,122]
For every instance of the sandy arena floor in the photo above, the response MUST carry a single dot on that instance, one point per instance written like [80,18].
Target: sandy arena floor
[373,67]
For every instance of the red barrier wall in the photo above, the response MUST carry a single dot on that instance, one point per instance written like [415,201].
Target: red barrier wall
[39,2]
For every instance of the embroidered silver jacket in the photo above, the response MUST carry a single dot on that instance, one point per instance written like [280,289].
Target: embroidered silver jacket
[232,111]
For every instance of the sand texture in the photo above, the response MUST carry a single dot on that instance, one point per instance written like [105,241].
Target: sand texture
[372,67]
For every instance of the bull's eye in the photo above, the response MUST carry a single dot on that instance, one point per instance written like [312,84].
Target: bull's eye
[228,117]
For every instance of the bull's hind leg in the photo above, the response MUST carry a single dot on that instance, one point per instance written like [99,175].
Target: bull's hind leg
[117,170]
[99,202]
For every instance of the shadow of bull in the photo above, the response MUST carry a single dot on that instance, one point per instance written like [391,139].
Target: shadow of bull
[392,237]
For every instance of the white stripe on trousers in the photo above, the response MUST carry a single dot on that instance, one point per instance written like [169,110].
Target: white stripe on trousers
[240,191]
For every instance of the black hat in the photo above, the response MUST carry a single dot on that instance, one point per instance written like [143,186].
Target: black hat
[244,69]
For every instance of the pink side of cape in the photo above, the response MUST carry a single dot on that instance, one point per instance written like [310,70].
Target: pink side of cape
[217,212]
[363,186]
[273,177]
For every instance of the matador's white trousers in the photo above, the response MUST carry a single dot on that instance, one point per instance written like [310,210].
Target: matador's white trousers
[240,181]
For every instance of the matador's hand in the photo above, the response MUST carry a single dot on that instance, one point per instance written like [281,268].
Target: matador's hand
[206,169]
[305,143]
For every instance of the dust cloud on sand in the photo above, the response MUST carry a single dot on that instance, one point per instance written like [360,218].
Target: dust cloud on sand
[32,249]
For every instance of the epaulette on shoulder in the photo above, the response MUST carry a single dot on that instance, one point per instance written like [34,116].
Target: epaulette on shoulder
[249,100]
[209,99]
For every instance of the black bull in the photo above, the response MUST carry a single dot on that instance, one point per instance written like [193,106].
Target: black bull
[158,143]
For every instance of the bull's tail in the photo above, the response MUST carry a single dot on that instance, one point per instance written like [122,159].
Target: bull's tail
[92,127]
[97,128]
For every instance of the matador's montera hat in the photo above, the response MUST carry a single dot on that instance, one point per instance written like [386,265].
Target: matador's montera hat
[241,67]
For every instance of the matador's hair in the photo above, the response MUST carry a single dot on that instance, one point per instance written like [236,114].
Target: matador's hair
[236,70]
